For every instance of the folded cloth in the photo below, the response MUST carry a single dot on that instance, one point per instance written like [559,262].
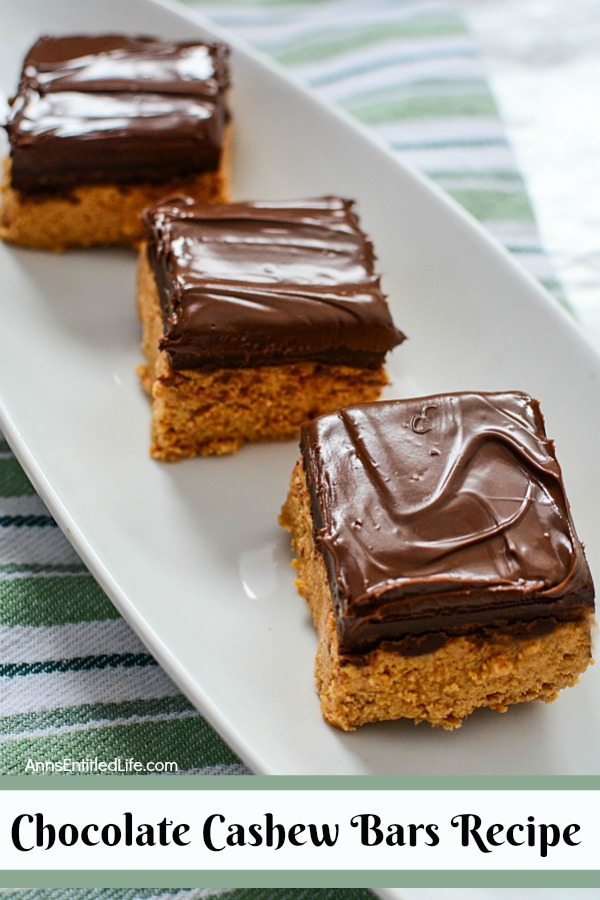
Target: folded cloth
[75,683]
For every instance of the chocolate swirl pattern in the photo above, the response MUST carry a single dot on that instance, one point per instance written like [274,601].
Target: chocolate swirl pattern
[444,511]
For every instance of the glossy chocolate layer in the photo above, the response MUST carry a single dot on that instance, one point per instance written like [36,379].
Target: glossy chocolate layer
[267,282]
[442,515]
[115,109]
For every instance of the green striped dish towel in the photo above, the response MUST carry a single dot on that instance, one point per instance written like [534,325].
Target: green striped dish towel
[75,682]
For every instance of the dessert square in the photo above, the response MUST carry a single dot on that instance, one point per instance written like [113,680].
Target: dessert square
[256,316]
[103,126]
[436,549]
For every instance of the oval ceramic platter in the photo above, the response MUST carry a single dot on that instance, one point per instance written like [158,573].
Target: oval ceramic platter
[191,553]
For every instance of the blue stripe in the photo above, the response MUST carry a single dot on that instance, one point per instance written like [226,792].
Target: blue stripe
[385,62]
[450,142]
[40,521]
[523,248]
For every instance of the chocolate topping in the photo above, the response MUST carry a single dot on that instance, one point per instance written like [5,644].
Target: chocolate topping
[113,109]
[264,283]
[442,515]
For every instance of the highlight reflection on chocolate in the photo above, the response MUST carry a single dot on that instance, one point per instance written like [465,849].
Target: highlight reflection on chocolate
[267,282]
[442,514]
[116,109]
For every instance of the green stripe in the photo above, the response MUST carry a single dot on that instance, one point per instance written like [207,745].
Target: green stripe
[55,600]
[78,664]
[13,480]
[190,742]
[445,106]
[90,713]
[321,44]
[495,205]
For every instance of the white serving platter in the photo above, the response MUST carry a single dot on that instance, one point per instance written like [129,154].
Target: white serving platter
[191,553]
